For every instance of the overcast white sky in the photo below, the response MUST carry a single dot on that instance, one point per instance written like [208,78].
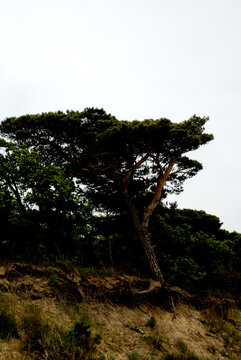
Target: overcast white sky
[137,59]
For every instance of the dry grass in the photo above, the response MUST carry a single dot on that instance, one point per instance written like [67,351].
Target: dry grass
[124,332]
[144,332]
[12,350]
[228,329]
[34,333]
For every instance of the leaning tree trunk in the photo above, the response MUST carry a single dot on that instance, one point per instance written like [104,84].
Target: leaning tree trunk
[148,248]
[142,226]
[145,239]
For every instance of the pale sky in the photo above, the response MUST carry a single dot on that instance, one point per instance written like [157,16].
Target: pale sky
[137,59]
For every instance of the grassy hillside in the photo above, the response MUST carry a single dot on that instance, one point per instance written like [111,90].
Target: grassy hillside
[48,313]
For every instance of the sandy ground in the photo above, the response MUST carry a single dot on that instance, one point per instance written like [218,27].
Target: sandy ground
[123,329]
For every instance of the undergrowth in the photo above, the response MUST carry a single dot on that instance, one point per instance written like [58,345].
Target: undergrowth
[8,325]
[43,337]
[228,328]
[185,353]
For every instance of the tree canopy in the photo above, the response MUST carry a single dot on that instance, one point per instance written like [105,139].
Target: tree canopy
[95,142]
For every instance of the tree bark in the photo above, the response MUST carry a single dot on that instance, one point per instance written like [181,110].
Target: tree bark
[151,256]
[157,195]
[145,240]
[142,226]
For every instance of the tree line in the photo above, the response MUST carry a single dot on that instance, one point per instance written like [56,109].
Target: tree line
[87,186]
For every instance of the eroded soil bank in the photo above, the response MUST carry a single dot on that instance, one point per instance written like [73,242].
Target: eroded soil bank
[129,314]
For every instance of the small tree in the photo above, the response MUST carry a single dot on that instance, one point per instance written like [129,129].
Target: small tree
[125,161]
[38,204]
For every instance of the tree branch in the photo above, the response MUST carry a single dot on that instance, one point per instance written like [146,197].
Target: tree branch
[156,198]
[157,161]
[127,178]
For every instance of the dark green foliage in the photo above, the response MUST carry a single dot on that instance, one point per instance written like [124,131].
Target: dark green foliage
[196,258]
[65,167]
[78,343]
[101,150]
[42,209]
[54,280]
[124,165]
[190,257]
[151,322]
[80,335]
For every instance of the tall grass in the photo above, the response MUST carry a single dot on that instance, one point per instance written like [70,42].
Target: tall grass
[8,325]
[227,328]
[41,336]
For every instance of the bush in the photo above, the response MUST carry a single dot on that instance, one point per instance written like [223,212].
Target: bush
[151,322]
[78,343]
[54,280]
